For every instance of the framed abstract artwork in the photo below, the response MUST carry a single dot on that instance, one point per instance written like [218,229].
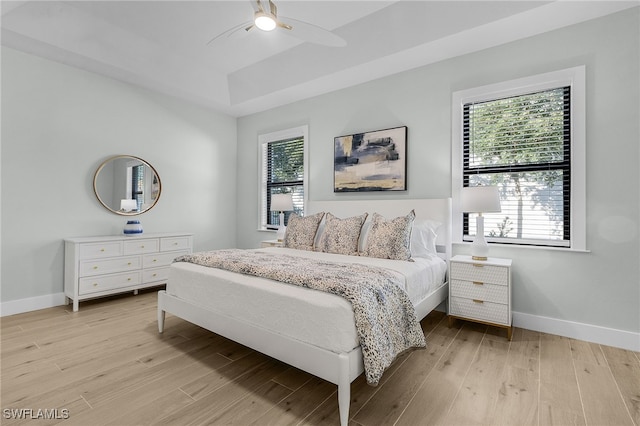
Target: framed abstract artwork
[371,161]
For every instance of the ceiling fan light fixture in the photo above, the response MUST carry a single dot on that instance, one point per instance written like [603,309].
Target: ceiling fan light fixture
[265,21]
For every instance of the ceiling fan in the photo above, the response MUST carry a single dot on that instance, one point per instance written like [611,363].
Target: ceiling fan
[265,18]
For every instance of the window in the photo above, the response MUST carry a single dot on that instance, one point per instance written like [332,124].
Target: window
[283,158]
[527,138]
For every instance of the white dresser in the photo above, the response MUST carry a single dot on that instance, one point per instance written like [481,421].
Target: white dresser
[100,266]
[481,291]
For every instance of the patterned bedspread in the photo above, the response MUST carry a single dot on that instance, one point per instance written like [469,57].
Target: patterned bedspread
[385,318]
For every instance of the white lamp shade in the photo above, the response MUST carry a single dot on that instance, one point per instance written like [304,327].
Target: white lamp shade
[128,205]
[480,199]
[281,202]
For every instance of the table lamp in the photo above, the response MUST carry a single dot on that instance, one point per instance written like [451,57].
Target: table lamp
[480,199]
[281,203]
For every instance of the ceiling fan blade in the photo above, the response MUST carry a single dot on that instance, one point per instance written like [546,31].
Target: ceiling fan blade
[257,5]
[232,33]
[311,33]
[284,26]
[273,8]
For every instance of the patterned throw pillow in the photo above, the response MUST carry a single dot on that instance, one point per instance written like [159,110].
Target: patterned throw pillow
[390,239]
[341,236]
[301,231]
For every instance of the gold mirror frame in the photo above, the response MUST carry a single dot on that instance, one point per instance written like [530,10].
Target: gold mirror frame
[154,187]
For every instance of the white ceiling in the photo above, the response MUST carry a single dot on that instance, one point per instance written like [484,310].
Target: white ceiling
[162,45]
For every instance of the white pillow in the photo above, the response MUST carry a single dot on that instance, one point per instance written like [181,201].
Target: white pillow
[423,238]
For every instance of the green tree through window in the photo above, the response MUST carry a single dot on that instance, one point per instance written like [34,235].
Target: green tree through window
[522,145]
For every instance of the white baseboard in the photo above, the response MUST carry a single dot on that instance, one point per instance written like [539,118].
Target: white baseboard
[575,330]
[20,306]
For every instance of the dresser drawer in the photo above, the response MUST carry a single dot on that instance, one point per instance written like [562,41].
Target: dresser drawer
[98,250]
[141,246]
[175,243]
[480,291]
[161,259]
[484,311]
[108,282]
[479,272]
[155,274]
[109,266]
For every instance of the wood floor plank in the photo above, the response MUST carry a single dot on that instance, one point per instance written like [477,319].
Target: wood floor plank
[432,401]
[517,402]
[388,403]
[208,383]
[149,413]
[98,395]
[250,397]
[56,391]
[603,404]
[478,395]
[625,368]
[209,406]
[107,364]
[559,393]
[298,405]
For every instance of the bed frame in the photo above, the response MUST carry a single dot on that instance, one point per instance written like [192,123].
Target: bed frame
[340,369]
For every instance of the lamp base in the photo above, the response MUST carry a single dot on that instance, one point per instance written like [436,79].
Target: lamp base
[479,247]
[281,228]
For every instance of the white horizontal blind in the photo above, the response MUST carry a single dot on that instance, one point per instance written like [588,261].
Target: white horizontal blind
[522,145]
[283,172]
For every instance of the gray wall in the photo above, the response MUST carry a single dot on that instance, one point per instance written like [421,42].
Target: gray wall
[598,288]
[58,124]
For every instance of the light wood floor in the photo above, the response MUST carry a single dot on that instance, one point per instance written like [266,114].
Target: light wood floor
[107,365]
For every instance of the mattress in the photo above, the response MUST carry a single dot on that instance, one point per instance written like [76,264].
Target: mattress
[314,317]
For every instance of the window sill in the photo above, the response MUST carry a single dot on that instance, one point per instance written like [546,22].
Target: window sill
[531,247]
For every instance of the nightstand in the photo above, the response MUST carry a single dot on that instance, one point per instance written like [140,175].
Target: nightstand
[480,291]
[271,243]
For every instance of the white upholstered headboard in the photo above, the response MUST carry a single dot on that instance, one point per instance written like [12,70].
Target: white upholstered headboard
[438,209]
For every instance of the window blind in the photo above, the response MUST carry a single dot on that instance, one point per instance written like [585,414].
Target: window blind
[283,172]
[522,144]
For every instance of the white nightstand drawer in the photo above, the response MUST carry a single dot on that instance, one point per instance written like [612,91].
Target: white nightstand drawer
[480,310]
[480,272]
[97,250]
[109,266]
[108,282]
[175,243]
[161,259]
[155,274]
[141,246]
[480,291]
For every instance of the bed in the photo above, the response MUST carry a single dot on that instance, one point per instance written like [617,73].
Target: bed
[314,331]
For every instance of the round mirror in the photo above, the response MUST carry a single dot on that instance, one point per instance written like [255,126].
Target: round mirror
[127,185]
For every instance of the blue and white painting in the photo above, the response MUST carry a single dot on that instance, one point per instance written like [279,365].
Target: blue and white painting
[371,161]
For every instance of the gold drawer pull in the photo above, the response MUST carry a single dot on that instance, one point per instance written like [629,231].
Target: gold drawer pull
[478,265]
[95,267]
[478,283]
[128,263]
[95,284]
[155,275]
[128,279]
[141,246]
[175,244]
[478,301]
[101,249]
[155,260]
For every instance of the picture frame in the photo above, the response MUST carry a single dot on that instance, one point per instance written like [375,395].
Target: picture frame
[371,161]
